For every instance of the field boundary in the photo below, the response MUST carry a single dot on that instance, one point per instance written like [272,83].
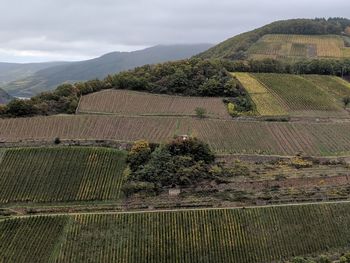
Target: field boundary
[186,209]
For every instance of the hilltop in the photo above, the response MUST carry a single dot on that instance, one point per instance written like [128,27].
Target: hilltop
[48,78]
[240,46]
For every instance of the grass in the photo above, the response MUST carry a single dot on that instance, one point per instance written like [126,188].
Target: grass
[123,102]
[60,174]
[247,235]
[299,46]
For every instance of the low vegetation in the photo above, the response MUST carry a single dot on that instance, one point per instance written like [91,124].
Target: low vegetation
[60,174]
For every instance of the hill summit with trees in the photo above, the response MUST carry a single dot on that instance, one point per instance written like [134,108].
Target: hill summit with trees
[236,47]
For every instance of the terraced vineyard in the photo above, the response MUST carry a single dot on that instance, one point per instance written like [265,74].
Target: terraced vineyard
[223,136]
[267,104]
[30,240]
[299,46]
[238,235]
[60,174]
[306,96]
[123,102]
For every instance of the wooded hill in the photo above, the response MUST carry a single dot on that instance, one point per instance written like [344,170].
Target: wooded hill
[236,47]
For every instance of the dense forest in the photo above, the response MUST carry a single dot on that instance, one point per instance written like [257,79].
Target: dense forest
[235,48]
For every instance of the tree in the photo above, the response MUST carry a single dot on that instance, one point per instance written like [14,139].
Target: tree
[201,112]
[139,154]
[20,108]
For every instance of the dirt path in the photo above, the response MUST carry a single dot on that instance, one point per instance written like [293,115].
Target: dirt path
[180,210]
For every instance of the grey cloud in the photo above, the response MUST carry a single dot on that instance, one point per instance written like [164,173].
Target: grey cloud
[76,29]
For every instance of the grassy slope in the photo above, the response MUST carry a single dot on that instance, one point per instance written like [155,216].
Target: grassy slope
[60,174]
[229,235]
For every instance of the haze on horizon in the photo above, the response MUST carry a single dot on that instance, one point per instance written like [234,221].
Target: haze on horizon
[57,30]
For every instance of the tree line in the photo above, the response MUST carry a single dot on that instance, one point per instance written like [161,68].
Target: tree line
[190,77]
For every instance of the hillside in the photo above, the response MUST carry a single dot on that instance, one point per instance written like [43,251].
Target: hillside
[223,136]
[122,102]
[296,95]
[48,79]
[60,174]
[4,97]
[294,47]
[12,71]
[237,47]
[270,234]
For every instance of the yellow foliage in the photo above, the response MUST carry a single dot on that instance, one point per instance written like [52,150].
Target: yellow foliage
[140,145]
[299,162]
[231,109]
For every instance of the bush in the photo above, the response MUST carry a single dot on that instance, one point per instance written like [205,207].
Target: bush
[299,162]
[201,112]
[57,140]
[346,101]
[231,109]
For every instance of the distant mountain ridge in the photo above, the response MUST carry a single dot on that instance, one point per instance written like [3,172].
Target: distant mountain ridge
[4,97]
[12,71]
[50,77]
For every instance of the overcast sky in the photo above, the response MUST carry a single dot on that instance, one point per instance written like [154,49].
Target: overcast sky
[46,30]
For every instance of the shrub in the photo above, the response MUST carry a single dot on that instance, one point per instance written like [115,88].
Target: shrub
[57,140]
[346,101]
[231,109]
[299,162]
[201,112]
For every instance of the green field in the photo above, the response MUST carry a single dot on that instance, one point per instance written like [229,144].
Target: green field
[229,235]
[284,46]
[31,239]
[60,174]
[296,95]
